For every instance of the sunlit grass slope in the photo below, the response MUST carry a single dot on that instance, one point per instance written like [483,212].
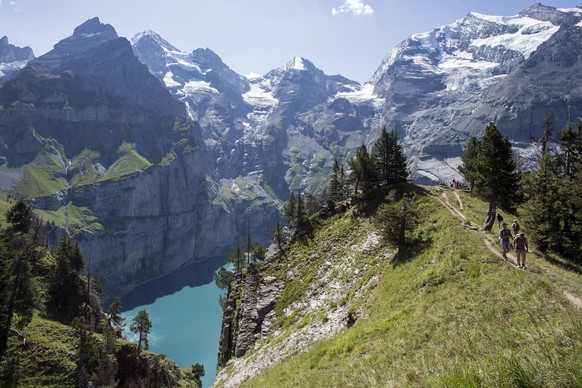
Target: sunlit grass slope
[450,314]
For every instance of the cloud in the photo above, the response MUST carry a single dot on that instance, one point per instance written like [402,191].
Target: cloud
[356,7]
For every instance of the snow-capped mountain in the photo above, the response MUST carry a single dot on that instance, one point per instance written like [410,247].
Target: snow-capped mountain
[436,89]
[281,127]
[442,86]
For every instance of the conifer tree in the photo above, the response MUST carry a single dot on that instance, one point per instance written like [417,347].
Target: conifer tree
[141,325]
[19,291]
[116,320]
[493,172]
[335,186]
[290,209]
[389,158]
[237,259]
[553,211]
[279,237]
[363,172]
[396,218]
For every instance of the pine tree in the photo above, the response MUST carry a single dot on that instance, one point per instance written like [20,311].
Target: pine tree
[335,189]
[279,237]
[389,158]
[141,325]
[290,209]
[493,171]
[397,218]
[19,291]
[554,196]
[363,171]
[237,259]
[116,320]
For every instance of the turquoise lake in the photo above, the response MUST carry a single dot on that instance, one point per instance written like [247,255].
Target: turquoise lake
[185,315]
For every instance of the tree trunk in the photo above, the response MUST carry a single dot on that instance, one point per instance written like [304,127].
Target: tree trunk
[490,216]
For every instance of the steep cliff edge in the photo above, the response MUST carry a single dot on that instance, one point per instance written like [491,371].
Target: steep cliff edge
[353,312]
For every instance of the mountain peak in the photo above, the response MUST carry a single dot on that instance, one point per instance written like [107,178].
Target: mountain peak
[299,64]
[94,26]
[152,37]
[11,53]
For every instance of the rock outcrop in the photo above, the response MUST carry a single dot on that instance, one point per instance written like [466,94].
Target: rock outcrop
[257,295]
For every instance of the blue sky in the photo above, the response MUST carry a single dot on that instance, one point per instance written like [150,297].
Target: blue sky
[347,37]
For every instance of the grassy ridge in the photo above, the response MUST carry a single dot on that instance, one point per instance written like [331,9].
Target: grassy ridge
[451,314]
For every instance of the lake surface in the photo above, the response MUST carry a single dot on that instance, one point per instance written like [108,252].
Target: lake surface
[185,315]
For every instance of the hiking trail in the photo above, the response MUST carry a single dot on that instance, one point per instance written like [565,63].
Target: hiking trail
[489,240]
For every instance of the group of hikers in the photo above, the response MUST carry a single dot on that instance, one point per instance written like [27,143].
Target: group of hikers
[519,242]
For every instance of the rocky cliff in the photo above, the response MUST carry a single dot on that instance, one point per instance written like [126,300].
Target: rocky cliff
[104,151]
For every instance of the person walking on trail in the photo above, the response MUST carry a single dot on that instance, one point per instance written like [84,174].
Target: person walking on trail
[515,227]
[499,220]
[505,237]
[521,248]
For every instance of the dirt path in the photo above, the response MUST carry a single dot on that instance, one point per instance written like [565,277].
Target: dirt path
[456,193]
[489,240]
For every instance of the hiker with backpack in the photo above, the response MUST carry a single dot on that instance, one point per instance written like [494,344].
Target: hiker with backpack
[505,237]
[515,227]
[499,219]
[521,248]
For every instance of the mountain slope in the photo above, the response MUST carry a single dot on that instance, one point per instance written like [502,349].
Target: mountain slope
[449,312]
[443,86]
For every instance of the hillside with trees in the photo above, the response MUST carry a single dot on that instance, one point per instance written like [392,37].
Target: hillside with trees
[403,285]
[53,330]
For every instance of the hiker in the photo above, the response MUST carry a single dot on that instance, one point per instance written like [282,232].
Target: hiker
[521,248]
[515,227]
[505,237]
[499,219]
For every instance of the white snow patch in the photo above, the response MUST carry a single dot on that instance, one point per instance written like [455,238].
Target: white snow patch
[531,34]
[260,95]
[296,64]
[362,94]
[199,86]
[170,81]
[252,76]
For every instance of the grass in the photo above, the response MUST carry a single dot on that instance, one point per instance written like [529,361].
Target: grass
[451,313]
[43,177]
[129,163]
[76,220]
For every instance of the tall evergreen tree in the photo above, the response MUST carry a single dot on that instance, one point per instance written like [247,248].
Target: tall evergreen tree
[493,171]
[19,291]
[389,158]
[363,171]
[469,160]
[237,259]
[553,211]
[290,209]
[335,189]
[65,286]
[141,325]
[279,237]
